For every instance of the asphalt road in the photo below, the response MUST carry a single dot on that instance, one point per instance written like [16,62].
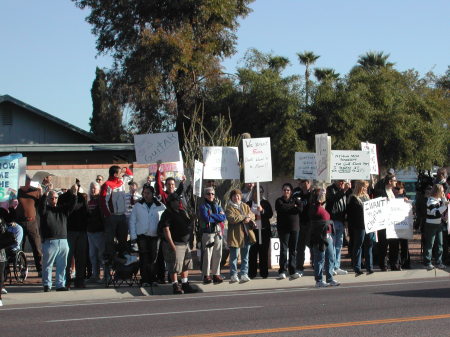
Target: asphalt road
[406,308]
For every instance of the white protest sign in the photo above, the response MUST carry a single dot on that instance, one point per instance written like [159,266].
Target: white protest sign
[221,162]
[275,254]
[12,175]
[323,157]
[350,165]
[372,148]
[152,147]
[257,160]
[170,169]
[198,173]
[399,220]
[305,166]
[375,212]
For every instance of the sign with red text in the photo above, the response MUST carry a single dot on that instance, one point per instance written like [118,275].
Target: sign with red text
[372,148]
[257,160]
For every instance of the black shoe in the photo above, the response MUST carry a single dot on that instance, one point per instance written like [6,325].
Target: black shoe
[217,279]
[187,288]
[177,289]
[358,273]
[369,272]
[63,289]
[46,289]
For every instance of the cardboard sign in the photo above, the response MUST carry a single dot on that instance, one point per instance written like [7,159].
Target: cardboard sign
[257,160]
[198,173]
[323,157]
[171,169]
[305,166]
[12,175]
[152,147]
[372,148]
[221,162]
[399,220]
[350,165]
[275,254]
[375,212]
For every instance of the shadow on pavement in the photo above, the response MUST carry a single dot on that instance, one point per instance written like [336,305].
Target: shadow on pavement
[424,293]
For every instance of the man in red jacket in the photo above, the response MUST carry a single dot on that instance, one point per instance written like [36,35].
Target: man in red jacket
[112,203]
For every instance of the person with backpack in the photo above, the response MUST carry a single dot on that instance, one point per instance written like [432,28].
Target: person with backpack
[211,220]
[143,226]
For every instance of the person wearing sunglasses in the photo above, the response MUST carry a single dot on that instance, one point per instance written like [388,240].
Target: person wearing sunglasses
[211,222]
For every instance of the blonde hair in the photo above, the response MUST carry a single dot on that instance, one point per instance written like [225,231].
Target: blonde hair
[437,191]
[359,185]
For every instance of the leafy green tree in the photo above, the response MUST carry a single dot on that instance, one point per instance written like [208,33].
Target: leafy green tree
[106,120]
[164,52]
[307,58]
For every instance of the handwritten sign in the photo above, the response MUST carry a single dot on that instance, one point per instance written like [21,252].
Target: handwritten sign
[198,173]
[172,169]
[323,157]
[350,165]
[220,162]
[305,166]
[399,220]
[372,148]
[375,214]
[257,160]
[12,175]
[152,147]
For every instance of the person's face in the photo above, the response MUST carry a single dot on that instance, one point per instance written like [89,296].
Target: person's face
[236,198]
[210,196]
[95,190]
[393,182]
[133,188]
[340,184]
[287,192]
[147,194]
[305,185]
[99,179]
[170,186]
[47,180]
[52,199]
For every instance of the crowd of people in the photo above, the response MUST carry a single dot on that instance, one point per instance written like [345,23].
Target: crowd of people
[83,233]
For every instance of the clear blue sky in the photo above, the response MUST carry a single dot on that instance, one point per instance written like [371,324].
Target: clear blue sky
[48,56]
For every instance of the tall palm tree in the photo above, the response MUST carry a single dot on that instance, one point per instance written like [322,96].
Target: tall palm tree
[307,58]
[326,75]
[278,63]
[374,60]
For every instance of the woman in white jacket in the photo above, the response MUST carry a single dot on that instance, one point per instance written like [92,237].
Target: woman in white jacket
[143,227]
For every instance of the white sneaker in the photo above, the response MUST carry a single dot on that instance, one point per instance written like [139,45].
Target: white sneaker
[1,303]
[429,267]
[334,283]
[334,273]
[321,284]
[245,278]
[234,279]
[295,276]
[340,272]
[281,276]
[440,266]
[4,291]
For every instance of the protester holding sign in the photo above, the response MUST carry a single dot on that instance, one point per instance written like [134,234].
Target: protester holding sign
[436,206]
[260,251]
[240,234]
[322,240]
[211,221]
[355,217]
[405,260]
[288,226]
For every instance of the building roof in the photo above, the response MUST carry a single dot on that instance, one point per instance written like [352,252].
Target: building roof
[22,148]
[10,99]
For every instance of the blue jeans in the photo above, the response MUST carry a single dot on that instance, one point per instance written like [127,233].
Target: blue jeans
[362,240]
[324,259]
[338,239]
[244,259]
[54,251]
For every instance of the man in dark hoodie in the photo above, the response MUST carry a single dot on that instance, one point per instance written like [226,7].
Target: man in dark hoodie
[54,235]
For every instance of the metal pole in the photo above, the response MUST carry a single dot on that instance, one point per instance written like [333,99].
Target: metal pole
[258,201]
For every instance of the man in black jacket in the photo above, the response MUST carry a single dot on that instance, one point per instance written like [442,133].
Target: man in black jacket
[336,205]
[54,235]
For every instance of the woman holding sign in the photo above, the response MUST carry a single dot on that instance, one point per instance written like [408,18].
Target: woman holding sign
[355,217]
[240,234]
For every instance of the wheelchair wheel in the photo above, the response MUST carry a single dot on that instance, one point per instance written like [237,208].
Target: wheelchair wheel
[20,267]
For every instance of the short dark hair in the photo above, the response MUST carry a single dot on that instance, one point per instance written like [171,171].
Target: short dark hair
[113,170]
[169,179]
[234,192]
[388,178]
[287,185]
[148,187]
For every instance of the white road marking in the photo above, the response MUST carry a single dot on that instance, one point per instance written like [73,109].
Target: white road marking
[228,294]
[150,314]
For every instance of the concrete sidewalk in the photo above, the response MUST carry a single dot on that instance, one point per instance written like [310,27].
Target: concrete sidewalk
[33,294]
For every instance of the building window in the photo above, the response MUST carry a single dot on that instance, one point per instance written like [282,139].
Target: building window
[6,117]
